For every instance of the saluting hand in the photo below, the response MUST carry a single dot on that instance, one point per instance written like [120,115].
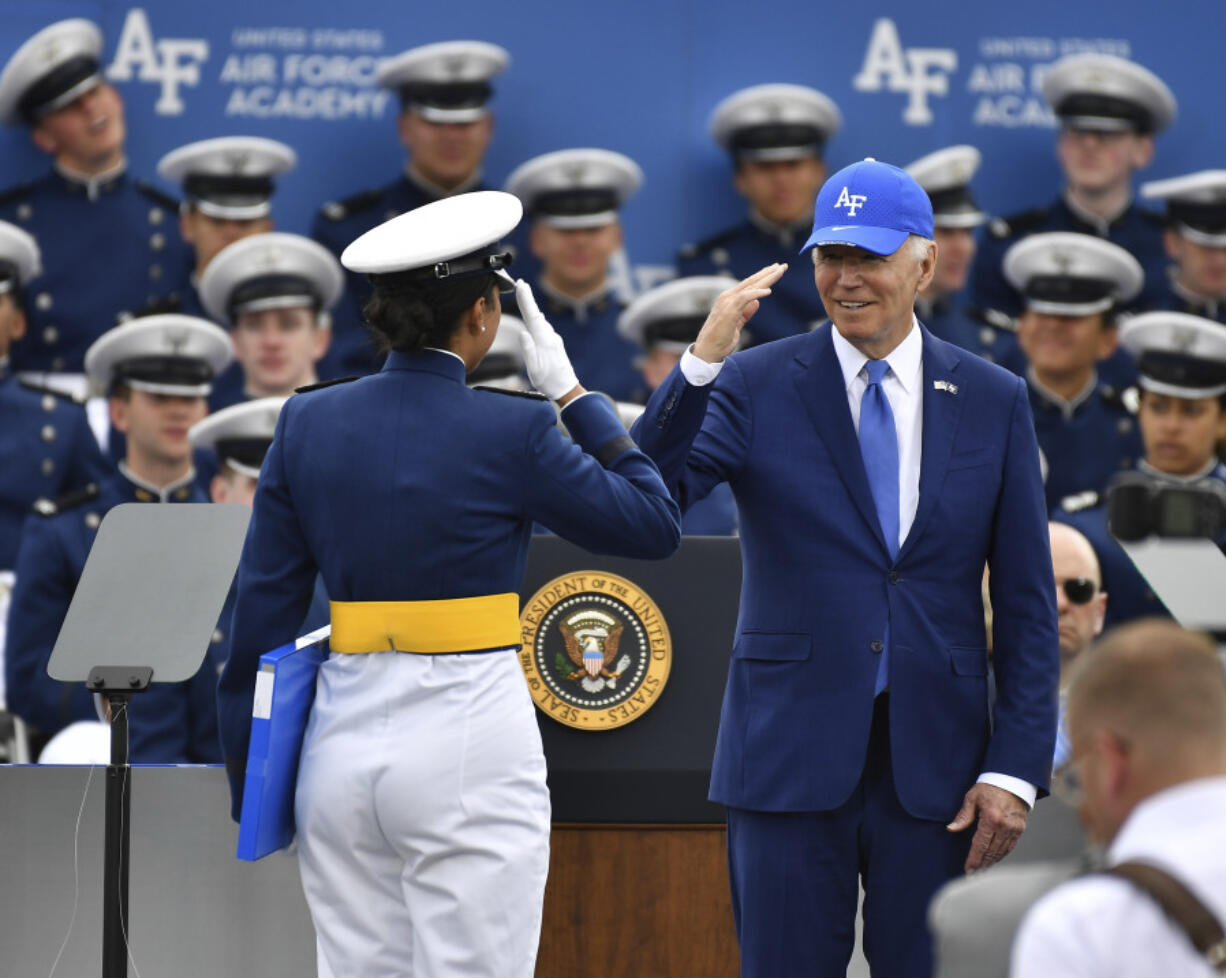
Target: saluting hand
[545,356]
[721,333]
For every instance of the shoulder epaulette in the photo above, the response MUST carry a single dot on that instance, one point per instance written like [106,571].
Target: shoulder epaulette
[69,500]
[40,389]
[16,193]
[322,384]
[1129,399]
[1006,227]
[695,249]
[531,395]
[1080,501]
[156,195]
[338,210]
[992,317]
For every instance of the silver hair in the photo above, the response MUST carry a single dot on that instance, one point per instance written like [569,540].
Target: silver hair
[916,245]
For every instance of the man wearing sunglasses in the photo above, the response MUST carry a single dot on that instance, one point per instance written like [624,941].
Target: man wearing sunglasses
[1182,417]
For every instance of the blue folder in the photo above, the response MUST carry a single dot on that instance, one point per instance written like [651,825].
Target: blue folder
[284,692]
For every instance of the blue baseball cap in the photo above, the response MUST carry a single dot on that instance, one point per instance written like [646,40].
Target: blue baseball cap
[870,205]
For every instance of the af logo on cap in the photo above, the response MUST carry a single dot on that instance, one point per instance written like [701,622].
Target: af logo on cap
[596,650]
[853,202]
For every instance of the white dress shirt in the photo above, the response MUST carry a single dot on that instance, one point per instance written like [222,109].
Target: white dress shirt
[1100,927]
[903,388]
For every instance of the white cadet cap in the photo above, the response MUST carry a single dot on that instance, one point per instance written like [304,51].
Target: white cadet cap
[163,354]
[19,257]
[503,363]
[1101,91]
[1069,274]
[240,434]
[446,82]
[946,176]
[1177,354]
[448,238]
[229,177]
[775,122]
[270,271]
[669,316]
[51,69]
[575,188]
[1195,205]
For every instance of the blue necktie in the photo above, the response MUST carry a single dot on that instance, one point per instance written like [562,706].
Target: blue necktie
[879,449]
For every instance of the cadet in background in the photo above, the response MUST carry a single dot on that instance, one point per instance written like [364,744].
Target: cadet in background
[1073,285]
[87,206]
[776,135]
[573,198]
[445,125]
[1195,241]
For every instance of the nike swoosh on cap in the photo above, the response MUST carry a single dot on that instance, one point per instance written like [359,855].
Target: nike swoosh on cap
[844,227]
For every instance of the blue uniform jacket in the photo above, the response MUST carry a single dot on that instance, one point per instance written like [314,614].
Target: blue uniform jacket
[1184,301]
[49,565]
[603,359]
[819,586]
[742,250]
[337,225]
[407,485]
[990,335]
[46,449]
[1087,445]
[105,257]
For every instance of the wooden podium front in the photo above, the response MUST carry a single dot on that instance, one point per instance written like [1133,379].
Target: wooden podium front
[638,877]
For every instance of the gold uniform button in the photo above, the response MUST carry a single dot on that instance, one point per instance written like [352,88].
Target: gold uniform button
[48,466]
[144,495]
[157,242]
[24,212]
[183,493]
[48,402]
[218,636]
[155,272]
[57,363]
[43,301]
[92,520]
[51,335]
[155,215]
[48,433]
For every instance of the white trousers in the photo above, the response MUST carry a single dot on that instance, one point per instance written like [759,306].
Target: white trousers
[423,817]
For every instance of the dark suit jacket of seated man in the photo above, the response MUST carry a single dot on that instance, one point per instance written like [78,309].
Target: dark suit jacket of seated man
[827,776]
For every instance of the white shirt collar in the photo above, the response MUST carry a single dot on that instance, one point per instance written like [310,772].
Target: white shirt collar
[1152,819]
[450,353]
[906,359]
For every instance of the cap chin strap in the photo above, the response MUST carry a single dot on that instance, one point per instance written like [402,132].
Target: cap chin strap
[171,390]
[233,212]
[1069,308]
[577,222]
[241,469]
[1202,237]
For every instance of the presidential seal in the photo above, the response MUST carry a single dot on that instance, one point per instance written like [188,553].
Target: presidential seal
[596,653]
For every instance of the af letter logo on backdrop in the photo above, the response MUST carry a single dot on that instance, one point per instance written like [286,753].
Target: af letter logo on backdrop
[172,61]
[919,72]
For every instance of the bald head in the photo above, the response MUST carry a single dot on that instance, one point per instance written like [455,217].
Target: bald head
[1146,711]
[1073,559]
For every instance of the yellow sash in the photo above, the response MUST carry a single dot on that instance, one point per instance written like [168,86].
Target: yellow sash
[490,621]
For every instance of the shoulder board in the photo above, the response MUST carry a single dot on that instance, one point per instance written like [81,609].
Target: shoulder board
[16,193]
[40,389]
[338,210]
[1080,501]
[690,250]
[1128,399]
[530,395]
[322,384]
[1006,227]
[155,195]
[992,317]
[70,500]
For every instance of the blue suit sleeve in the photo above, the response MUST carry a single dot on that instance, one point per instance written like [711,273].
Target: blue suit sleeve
[46,582]
[599,490]
[276,580]
[1025,640]
[698,436]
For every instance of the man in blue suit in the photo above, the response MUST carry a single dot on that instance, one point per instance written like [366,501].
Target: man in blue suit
[876,470]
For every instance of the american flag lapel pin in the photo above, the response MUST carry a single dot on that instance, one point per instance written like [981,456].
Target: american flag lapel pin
[946,386]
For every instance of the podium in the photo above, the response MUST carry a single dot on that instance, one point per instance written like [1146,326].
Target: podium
[638,880]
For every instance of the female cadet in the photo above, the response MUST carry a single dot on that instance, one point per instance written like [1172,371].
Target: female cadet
[422,809]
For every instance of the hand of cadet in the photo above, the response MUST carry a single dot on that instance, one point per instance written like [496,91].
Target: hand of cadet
[545,356]
[1002,819]
[733,309]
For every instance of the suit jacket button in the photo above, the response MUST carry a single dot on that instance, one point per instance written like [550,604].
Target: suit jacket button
[893,578]
[877,645]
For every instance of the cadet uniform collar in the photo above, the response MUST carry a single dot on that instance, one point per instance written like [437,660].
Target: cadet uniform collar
[1101,225]
[785,234]
[1194,299]
[1067,408]
[433,190]
[583,306]
[1203,473]
[430,360]
[92,186]
[146,492]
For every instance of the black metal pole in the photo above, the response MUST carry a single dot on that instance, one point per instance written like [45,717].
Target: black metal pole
[115,875]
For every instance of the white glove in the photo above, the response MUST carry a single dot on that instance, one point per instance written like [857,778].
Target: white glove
[545,356]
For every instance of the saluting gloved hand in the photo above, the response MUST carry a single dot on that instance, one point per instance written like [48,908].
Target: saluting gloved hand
[545,356]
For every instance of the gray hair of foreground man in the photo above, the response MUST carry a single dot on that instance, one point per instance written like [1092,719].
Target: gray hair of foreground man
[1146,710]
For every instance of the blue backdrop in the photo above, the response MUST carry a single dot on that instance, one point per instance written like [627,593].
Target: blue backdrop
[638,77]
